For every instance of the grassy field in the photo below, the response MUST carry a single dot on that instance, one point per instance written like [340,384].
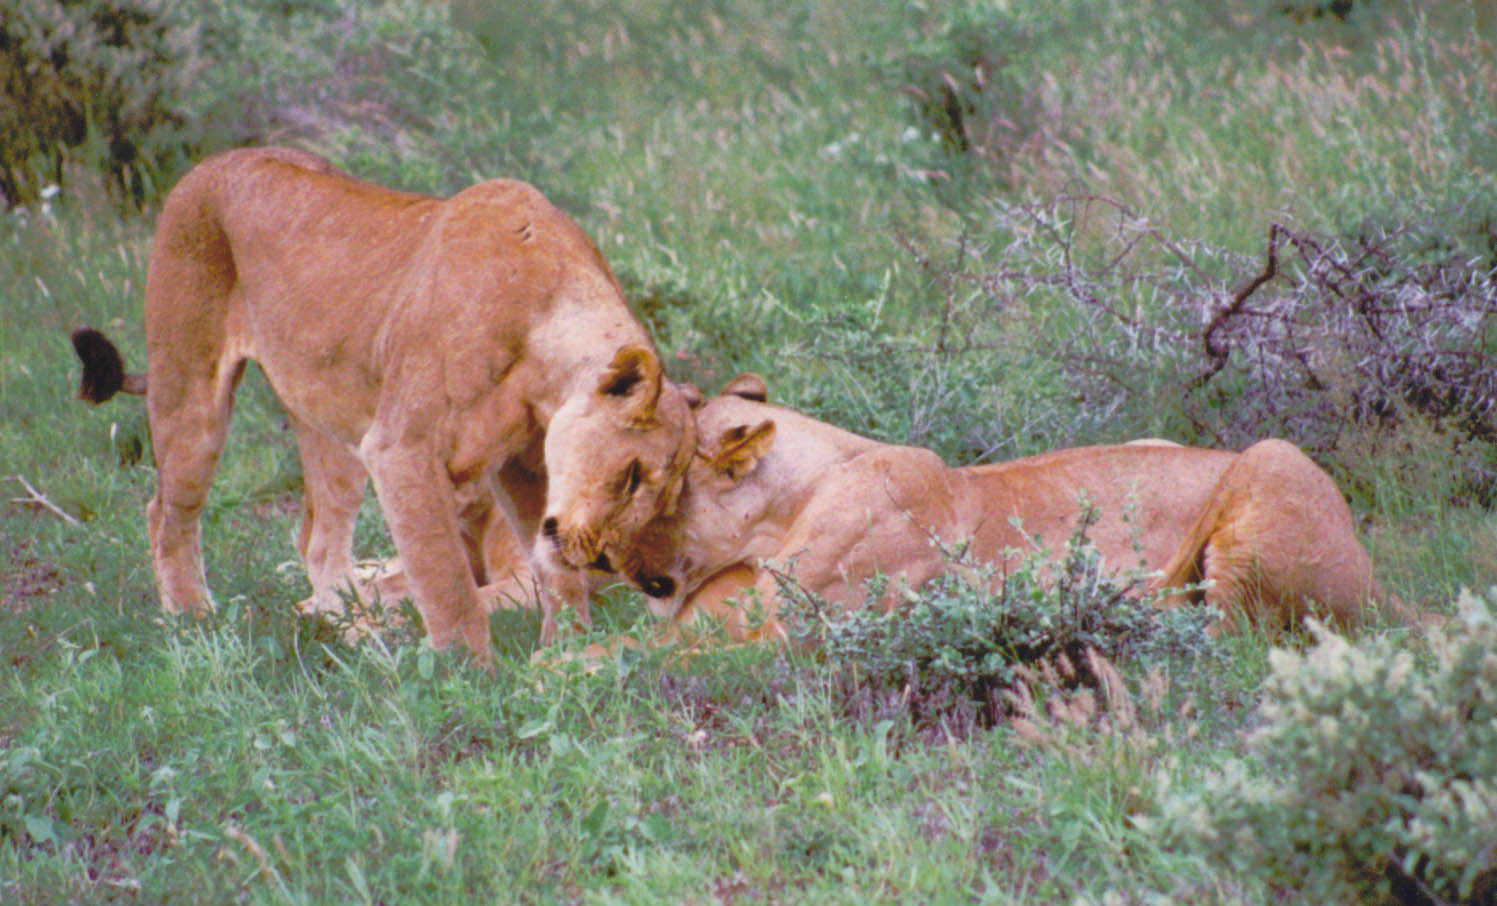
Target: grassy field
[884,209]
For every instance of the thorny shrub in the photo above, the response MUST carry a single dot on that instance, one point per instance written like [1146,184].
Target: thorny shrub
[1373,771]
[963,639]
[1328,341]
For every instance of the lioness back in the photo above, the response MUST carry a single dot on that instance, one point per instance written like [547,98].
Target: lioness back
[1138,490]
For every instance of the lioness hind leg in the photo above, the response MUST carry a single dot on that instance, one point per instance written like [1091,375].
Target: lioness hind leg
[508,580]
[188,428]
[334,480]
[494,550]
[1276,542]
[191,377]
[1308,557]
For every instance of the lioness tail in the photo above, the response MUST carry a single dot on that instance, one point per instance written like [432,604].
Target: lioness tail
[103,368]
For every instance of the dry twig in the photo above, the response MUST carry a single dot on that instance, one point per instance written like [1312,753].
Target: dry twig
[37,498]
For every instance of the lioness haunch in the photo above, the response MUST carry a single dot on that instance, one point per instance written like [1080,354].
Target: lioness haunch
[464,352]
[1266,528]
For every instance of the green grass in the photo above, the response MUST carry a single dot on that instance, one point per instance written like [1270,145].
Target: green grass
[242,762]
[765,188]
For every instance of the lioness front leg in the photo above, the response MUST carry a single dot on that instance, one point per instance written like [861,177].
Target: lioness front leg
[549,583]
[420,507]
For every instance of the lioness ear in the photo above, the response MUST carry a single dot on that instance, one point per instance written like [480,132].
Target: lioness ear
[692,394]
[634,378]
[749,386]
[740,449]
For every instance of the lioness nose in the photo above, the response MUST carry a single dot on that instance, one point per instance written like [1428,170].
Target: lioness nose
[657,586]
[549,527]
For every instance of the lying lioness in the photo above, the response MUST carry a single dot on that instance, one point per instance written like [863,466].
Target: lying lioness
[1266,529]
[464,353]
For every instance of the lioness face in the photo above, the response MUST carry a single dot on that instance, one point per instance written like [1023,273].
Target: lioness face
[616,460]
[675,555]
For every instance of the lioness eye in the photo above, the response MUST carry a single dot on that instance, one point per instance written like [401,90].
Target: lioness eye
[632,477]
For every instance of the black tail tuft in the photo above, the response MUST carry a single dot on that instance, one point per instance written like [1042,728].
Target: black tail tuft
[103,369]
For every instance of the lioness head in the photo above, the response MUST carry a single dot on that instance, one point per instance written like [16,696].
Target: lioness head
[616,460]
[675,554]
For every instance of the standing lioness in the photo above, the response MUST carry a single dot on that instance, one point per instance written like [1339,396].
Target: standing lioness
[443,347]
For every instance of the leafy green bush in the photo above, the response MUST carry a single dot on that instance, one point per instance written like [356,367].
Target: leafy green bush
[962,636]
[1373,772]
[139,89]
[102,80]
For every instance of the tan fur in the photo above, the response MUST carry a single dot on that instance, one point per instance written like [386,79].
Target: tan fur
[473,355]
[1267,528]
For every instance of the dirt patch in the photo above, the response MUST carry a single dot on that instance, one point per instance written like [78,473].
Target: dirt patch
[27,577]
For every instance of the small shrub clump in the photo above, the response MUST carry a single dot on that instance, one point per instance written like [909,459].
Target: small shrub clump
[1338,9]
[1373,774]
[965,639]
[960,80]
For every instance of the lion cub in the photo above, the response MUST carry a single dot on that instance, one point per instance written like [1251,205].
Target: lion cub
[465,353]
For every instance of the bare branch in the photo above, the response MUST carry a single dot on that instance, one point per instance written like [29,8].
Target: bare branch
[1218,349]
